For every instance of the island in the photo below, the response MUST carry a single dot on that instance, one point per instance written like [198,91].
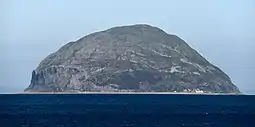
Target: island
[137,58]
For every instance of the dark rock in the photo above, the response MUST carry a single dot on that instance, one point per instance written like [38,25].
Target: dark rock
[129,58]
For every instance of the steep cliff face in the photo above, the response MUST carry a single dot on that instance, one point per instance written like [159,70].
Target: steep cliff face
[129,58]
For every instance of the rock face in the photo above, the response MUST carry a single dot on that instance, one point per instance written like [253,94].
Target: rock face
[137,58]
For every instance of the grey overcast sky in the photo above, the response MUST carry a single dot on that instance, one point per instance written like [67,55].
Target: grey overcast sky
[223,31]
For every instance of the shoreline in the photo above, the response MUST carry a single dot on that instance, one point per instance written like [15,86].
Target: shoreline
[163,93]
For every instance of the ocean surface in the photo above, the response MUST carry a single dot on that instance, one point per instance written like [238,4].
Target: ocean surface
[126,110]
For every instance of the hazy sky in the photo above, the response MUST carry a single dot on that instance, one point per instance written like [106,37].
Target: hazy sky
[223,31]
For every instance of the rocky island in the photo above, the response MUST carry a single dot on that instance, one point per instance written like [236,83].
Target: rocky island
[136,58]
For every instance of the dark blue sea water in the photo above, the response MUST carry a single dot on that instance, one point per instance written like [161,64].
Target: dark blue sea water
[126,110]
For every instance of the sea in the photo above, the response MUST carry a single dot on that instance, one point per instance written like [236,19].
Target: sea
[126,110]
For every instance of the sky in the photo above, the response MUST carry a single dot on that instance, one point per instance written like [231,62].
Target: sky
[223,31]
